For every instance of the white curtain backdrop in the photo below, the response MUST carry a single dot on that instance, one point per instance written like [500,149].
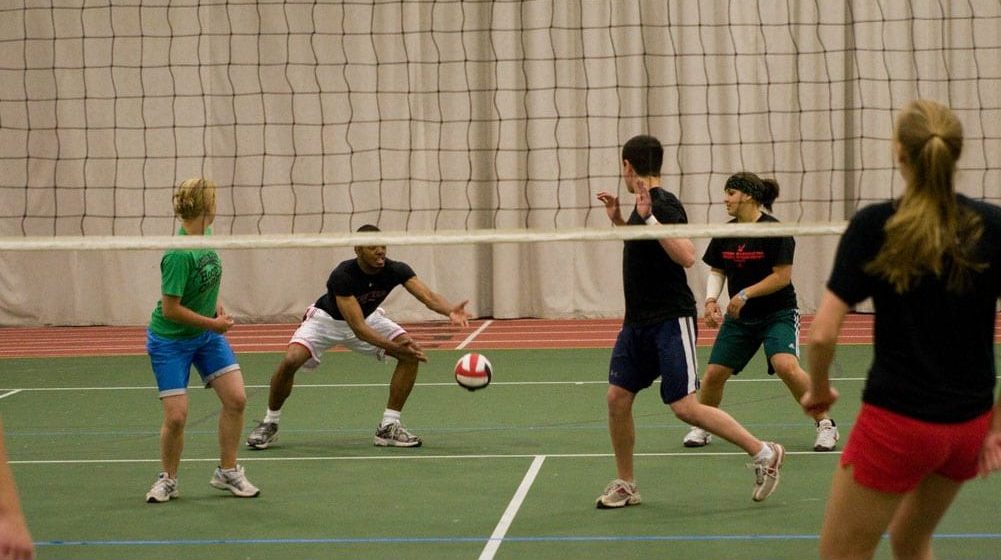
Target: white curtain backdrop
[428,116]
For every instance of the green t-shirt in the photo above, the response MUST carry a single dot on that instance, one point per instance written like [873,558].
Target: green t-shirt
[194,275]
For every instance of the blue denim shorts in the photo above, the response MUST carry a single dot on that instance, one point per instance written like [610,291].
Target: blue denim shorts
[172,359]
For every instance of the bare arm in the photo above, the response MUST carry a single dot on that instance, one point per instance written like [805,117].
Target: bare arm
[612,207]
[680,250]
[15,540]
[780,277]
[406,349]
[436,302]
[990,453]
[823,338]
[173,310]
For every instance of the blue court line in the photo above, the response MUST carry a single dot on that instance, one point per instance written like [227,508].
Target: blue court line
[461,540]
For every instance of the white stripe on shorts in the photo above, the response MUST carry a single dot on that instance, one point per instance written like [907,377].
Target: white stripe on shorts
[687,327]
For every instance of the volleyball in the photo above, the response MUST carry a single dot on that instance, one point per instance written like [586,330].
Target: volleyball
[473,371]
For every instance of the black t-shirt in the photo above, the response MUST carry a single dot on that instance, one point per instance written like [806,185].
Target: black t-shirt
[655,286]
[934,349]
[746,261]
[348,279]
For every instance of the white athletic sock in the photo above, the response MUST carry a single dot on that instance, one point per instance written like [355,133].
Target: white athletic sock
[765,455]
[390,417]
[273,416]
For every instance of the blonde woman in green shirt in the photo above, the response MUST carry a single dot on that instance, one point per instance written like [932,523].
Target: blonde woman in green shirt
[186,330]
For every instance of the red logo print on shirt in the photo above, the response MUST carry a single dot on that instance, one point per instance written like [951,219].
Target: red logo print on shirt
[741,256]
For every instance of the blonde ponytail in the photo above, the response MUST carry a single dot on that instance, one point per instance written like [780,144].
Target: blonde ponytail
[929,233]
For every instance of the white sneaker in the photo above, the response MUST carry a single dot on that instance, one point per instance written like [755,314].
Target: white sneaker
[827,435]
[163,490]
[697,437]
[234,481]
[766,475]
[395,435]
[263,435]
[618,493]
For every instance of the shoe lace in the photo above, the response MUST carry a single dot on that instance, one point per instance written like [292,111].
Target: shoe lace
[164,484]
[397,432]
[619,486]
[761,470]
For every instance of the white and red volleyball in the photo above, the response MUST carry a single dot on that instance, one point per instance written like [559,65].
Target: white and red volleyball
[473,371]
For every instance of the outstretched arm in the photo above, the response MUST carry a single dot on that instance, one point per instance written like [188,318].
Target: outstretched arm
[436,302]
[352,313]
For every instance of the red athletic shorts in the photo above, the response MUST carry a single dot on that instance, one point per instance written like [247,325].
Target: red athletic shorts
[891,452]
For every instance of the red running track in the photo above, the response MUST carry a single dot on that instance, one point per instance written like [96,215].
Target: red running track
[482,334]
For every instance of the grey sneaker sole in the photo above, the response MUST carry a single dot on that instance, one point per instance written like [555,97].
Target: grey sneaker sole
[380,442]
[261,445]
[154,500]
[615,505]
[232,489]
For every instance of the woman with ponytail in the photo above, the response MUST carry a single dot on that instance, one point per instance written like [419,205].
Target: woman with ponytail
[931,262]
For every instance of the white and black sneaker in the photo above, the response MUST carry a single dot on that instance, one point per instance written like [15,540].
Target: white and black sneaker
[263,435]
[827,435]
[395,435]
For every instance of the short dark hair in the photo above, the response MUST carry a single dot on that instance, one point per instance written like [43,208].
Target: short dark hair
[368,227]
[645,154]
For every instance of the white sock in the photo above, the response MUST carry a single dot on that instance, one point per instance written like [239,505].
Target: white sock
[765,455]
[273,416]
[390,417]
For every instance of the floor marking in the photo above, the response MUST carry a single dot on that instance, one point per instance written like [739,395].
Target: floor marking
[475,333]
[10,392]
[512,509]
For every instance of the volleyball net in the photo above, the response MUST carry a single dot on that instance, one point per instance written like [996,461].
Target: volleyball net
[430,118]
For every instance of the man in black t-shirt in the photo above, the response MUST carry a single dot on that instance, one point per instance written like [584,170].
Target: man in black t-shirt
[658,333]
[348,314]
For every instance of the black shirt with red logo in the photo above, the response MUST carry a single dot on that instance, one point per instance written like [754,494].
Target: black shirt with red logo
[348,279]
[747,261]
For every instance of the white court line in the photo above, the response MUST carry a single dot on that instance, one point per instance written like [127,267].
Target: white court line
[9,393]
[512,509]
[475,333]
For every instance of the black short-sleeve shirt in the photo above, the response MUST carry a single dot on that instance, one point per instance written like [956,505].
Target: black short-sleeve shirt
[348,279]
[934,349]
[747,261]
[656,287]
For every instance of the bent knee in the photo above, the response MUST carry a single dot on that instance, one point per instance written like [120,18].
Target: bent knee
[619,399]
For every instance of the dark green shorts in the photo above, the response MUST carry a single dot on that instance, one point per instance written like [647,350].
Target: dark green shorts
[738,340]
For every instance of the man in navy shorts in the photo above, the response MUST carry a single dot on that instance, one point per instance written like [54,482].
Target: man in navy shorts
[658,333]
